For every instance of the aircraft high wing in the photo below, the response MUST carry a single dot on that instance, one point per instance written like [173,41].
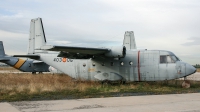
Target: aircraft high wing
[86,52]
[3,59]
[71,49]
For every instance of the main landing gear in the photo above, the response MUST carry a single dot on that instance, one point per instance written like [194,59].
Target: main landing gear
[38,72]
[186,83]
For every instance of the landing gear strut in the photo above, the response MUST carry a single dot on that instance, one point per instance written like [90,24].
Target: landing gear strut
[186,83]
[106,82]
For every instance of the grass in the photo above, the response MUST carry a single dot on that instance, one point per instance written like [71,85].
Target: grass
[12,84]
[25,86]
[18,87]
[10,69]
[198,69]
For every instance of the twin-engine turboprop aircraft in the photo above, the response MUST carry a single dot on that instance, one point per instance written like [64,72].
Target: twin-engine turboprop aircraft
[22,64]
[115,63]
[29,65]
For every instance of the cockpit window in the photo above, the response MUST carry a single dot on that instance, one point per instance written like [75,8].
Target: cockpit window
[168,59]
[174,58]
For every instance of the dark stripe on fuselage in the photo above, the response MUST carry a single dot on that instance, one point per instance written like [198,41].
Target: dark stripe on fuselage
[19,63]
[138,65]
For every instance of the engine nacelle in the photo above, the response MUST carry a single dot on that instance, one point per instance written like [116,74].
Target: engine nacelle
[116,52]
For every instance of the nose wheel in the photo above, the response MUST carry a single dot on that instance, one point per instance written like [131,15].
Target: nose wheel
[186,83]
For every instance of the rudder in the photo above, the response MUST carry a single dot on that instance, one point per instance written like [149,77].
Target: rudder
[129,40]
[37,36]
[2,52]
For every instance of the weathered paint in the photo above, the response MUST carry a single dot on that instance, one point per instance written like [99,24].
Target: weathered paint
[146,67]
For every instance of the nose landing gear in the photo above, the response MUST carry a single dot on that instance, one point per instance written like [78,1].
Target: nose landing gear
[186,83]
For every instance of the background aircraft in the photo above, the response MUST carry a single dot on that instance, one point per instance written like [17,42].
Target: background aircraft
[28,65]
[107,63]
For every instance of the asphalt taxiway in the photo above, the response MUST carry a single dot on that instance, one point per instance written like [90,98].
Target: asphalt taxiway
[148,103]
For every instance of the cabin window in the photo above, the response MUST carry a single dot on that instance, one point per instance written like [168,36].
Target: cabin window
[122,63]
[84,64]
[93,64]
[168,59]
[112,63]
[163,59]
[130,63]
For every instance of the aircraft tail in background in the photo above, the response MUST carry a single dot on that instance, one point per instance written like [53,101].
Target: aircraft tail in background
[2,52]
[25,65]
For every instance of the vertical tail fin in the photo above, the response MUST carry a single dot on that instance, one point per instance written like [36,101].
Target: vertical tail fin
[129,40]
[37,36]
[2,52]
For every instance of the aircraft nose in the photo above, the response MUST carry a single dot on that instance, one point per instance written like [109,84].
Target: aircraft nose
[190,69]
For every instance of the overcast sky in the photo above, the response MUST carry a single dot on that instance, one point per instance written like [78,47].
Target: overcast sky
[172,25]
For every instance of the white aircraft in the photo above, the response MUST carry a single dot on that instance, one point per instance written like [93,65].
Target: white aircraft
[114,63]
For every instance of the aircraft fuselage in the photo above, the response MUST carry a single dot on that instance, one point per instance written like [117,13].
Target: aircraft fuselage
[137,65]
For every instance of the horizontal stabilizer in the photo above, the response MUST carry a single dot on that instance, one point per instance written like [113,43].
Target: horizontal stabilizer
[36,61]
[32,56]
[4,59]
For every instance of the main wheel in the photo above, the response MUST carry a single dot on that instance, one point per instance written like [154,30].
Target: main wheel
[186,84]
